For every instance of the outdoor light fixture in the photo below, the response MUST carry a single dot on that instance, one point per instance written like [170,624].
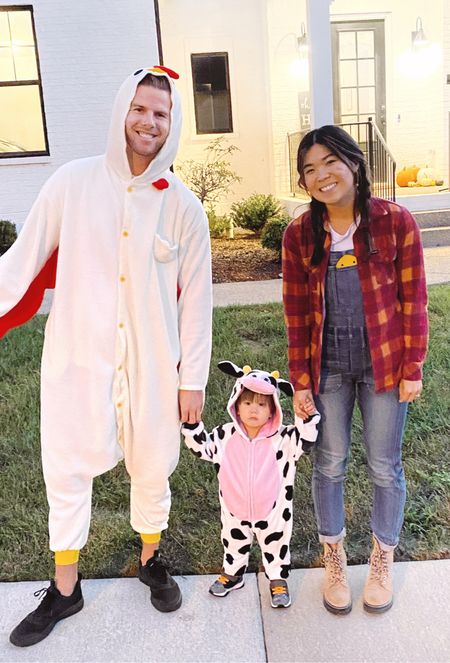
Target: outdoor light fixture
[424,57]
[418,35]
[295,58]
[302,41]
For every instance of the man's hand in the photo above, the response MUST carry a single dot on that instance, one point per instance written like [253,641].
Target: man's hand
[409,390]
[191,406]
[304,403]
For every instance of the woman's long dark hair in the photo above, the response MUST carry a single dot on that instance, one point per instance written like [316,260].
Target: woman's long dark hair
[342,145]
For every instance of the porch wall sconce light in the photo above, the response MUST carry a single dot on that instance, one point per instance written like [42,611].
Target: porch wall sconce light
[418,35]
[302,41]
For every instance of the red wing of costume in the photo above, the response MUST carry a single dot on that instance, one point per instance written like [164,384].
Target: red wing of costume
[32,299]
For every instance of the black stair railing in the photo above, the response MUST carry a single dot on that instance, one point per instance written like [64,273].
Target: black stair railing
[381,162]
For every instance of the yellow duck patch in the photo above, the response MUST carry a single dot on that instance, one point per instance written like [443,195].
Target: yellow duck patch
[346,260]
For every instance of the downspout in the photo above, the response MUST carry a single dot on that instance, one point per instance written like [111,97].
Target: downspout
[320,62]
[158,31]
[159,39]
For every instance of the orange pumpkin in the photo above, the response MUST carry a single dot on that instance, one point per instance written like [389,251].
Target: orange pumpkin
[406,175]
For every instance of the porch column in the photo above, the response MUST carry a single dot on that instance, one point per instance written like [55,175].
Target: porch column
[320,62]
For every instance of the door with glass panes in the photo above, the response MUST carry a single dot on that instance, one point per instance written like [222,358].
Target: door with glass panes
[359,72]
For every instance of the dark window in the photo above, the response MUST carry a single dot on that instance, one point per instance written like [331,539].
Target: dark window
[22,120]
[211,93]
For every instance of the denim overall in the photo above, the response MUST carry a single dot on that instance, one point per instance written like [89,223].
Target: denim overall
[346,377]
[345,345]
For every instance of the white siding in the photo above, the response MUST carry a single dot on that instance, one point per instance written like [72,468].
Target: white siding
[284,19]
[86,49]
[238,28]
[416,105]
[417,109]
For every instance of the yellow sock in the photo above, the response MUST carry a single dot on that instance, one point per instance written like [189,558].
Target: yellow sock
[66,557]
[151,538]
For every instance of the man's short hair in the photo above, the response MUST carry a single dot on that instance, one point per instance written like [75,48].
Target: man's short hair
[160,82]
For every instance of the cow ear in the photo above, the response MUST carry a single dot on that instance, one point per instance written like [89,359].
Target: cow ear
[230,369]
[285,387]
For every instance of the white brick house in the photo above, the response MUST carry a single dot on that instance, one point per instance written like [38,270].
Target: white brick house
[405,90]
[86,48]
[243,76]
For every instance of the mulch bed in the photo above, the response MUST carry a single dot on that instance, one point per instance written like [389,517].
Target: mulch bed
[243,259]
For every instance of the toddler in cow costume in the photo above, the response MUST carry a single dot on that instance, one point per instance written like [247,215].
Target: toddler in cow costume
[256,457]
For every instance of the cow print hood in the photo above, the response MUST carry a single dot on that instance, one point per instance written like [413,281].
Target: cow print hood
[261,382]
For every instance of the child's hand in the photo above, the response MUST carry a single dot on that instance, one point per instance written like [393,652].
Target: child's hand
[304,405]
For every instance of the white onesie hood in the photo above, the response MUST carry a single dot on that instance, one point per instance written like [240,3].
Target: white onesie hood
[116,155]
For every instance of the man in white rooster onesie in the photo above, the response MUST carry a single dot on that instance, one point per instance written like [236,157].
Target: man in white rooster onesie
[127,342]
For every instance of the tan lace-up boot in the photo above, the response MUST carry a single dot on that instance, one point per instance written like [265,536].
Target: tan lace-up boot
[336,592]
[378,591]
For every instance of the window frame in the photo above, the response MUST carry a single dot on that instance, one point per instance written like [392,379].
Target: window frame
[38,82]
[209,54]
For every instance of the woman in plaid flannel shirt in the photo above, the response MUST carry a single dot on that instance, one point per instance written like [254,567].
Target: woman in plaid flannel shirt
[355,307]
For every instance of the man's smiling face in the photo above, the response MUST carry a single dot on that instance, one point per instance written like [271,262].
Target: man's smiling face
[147,126]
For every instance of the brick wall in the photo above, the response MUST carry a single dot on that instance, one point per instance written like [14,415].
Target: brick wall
[239,29]
[86,48]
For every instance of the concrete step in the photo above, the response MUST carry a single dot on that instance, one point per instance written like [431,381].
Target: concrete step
[435,219]
[435,227]
[432,237]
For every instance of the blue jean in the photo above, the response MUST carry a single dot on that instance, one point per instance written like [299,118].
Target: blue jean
[383,424]
[346,378]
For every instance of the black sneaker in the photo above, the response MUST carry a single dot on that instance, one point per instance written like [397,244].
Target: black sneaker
[38,624]
[225,584]
[165,594]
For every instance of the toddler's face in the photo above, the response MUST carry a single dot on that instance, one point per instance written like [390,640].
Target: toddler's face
[254,412]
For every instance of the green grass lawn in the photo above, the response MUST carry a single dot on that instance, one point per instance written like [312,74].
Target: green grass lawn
[253,335]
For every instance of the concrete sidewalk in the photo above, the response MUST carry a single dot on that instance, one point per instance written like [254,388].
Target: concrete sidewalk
[118,623]
[437,267]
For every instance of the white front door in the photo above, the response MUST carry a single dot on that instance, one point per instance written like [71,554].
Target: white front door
[359,72]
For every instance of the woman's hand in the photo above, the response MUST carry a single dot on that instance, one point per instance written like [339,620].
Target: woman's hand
[409,390]
[304,403]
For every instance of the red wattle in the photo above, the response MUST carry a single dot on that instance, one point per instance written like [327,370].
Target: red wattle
[161,184]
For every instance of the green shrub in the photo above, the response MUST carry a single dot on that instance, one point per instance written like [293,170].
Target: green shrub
[212,178]
[218,225]
[254,212]
[272,234]
[8,235]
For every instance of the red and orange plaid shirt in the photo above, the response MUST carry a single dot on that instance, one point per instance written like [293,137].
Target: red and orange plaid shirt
[394,294]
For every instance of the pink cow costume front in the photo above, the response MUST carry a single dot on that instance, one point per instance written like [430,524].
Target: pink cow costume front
[256,476]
